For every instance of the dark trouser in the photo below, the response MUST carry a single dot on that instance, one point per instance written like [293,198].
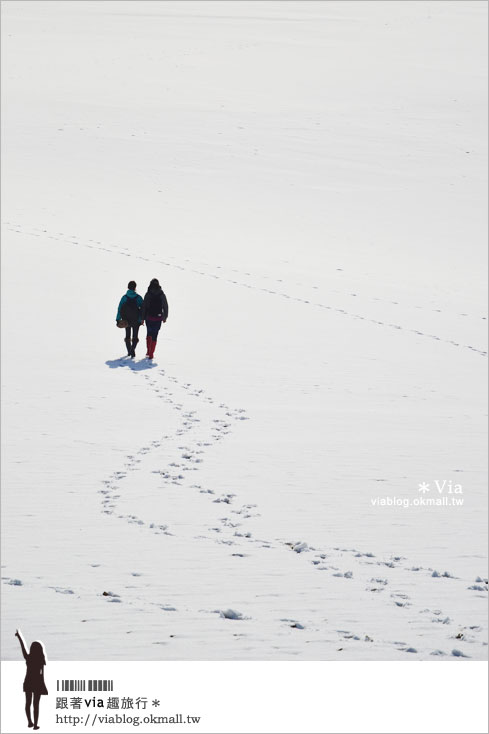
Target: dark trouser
[134,330]
[153,328]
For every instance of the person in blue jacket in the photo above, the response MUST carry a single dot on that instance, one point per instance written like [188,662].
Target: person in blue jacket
[130,310]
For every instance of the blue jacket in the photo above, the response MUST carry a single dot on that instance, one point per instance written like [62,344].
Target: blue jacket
[139,302]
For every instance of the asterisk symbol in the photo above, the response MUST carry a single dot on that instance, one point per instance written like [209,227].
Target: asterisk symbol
[424,487]
[155,702]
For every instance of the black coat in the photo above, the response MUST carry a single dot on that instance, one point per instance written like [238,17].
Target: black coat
[155,305]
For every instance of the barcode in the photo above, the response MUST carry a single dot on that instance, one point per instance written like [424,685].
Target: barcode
[85,685]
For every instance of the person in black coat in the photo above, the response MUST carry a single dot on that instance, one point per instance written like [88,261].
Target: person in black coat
[34,685]
[155,313]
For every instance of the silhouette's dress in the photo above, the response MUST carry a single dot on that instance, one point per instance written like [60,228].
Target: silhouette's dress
[34,678]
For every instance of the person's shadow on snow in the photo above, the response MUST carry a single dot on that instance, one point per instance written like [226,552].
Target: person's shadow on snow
[143,364]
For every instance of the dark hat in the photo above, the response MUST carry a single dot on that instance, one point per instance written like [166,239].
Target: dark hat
[132,285]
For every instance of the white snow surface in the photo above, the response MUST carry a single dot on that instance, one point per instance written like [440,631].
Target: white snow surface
[308,182]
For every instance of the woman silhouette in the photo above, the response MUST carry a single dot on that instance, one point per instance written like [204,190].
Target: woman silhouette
[34,679]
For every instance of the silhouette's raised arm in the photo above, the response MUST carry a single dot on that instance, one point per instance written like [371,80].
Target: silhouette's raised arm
[19,636]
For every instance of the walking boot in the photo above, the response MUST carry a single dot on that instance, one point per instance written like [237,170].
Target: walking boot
[151,350]
[133,348]
[148,345]
[127,342]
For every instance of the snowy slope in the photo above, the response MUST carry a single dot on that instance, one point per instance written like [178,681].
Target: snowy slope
[307,180]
